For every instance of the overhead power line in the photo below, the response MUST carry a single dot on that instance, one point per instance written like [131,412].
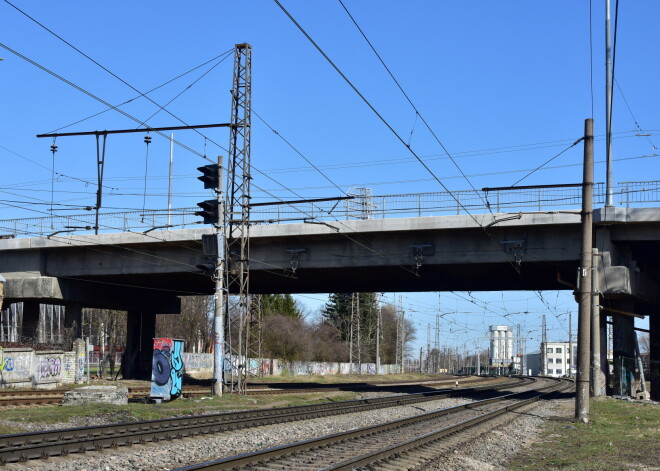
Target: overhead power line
[109,72]
[417,112]
[226,54]
[100,100]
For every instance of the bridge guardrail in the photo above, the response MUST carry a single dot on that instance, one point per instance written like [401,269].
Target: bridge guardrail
[626,194]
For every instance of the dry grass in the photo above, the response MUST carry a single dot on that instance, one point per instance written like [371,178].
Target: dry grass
[621,436]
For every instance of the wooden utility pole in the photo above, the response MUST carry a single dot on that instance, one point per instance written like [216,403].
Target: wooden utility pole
[584,296]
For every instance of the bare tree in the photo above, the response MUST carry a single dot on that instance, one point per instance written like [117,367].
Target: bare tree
[644,343]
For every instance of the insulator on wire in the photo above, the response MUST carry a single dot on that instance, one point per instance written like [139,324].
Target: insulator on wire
[53,148]
[147,139]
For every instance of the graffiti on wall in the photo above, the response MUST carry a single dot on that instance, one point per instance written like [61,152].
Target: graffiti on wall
[49,367]
[198,361]
[167,368]
[69,366]
[80,366]
[16,366]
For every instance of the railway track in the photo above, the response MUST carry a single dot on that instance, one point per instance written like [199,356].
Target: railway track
[400,444]
[33,445]
[54,396]
[35,397]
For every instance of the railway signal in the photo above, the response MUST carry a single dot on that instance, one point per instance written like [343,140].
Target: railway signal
[210,211]
[210,175]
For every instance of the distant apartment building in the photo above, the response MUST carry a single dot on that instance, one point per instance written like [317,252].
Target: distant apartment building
[559,360]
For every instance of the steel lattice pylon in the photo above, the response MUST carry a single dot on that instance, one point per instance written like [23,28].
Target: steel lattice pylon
[237,213]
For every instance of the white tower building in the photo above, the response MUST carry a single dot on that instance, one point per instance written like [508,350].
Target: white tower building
[501,345]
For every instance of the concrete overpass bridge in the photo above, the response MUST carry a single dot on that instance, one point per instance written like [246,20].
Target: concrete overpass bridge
[514,244]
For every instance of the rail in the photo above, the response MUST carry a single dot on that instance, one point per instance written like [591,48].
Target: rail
[627,194]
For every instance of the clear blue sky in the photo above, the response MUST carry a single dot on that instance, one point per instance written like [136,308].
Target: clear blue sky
[504,85]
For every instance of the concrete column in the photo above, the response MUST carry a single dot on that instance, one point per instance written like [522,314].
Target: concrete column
[73,319]
[654,323]
[624,342]
[81,352]
[604,364]
[30,325]
[2,290]
[140,332]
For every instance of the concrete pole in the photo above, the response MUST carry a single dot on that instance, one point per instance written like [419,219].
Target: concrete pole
[584,297]
[597,383]
[218,316]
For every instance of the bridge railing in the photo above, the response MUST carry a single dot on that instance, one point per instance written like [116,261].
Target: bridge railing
[626,194]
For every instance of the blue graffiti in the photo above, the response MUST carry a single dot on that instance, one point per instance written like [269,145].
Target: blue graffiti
[9,364]
[177,368]
[167,368]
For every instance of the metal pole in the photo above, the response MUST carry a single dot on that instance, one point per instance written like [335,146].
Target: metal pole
[169,186]
[570,344]
[608,106]
[596,376]
[101,349]
[584,299]
[478,359]
[380,315]
[218,315]
[87,357]
[403,334]
[351,357]
[359,335]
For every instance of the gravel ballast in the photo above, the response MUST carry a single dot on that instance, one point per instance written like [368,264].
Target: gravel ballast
[163,455]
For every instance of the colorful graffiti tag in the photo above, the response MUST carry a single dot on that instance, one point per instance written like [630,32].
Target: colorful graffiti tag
[49,367]
[167,368]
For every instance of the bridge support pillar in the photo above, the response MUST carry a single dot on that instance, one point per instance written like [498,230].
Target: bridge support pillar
[624,349]
[654,365]
[73,319]
[140,332]
[604,372]
[30,324]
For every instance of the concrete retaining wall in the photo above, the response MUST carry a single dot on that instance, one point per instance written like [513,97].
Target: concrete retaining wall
[201,365]
[24,367]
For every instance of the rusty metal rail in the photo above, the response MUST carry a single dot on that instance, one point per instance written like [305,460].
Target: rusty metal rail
[309,454]
[34,445]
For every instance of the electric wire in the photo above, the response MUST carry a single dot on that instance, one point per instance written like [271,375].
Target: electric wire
[186,89]
[226,54]
[549,160]
[639,128]
[392,130]
[100,100]
[59,174]
[112,74]
[295,149]
[417,113]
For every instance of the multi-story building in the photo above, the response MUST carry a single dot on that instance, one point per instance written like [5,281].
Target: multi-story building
[559,361]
